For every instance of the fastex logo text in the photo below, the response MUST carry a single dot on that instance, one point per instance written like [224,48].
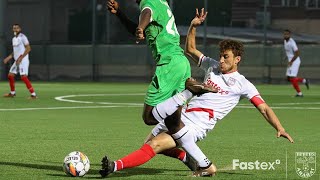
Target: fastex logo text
[306,164]
[254,165]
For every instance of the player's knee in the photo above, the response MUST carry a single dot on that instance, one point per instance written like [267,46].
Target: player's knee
[24,77]
[159,145]
[149,120]
[147,116]
[289,79]
[154,145]
[173,122]
[10,75]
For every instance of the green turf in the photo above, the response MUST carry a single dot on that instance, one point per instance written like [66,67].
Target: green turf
[35,135]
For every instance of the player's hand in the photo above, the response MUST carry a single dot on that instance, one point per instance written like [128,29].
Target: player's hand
[139,35]
[19,60]
[282,133]
[112,6]
[200,17]
[290,63]
[6,60]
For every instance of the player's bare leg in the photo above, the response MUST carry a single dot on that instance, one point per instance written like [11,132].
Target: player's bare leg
[177,153]
[159,143]
[12,92]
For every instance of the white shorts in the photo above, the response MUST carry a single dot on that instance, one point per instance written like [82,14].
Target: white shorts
[293,70]
[23,67]
[198,133]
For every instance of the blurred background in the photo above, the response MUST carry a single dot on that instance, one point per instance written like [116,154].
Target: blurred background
[79,40]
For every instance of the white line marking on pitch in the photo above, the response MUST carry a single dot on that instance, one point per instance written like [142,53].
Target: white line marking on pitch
[62,108]
[63,98]
[137,105]
[116,105]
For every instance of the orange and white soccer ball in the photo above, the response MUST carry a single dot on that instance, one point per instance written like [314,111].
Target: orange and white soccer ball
[76,164]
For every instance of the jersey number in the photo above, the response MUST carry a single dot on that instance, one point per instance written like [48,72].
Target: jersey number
[171,26]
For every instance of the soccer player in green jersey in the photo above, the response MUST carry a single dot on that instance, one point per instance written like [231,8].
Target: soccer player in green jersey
[172,74]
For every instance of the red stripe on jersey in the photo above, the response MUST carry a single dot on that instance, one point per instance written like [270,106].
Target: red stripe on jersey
[210,111]
[257,100]
[200,60]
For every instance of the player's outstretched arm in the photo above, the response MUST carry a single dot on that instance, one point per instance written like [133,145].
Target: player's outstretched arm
[191,49]
[8,58]
[113,7]
[272,118]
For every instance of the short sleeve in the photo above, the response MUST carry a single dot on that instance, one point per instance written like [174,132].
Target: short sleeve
[206,62]
[294,45]
[24,40]
[147,4]
[249,90]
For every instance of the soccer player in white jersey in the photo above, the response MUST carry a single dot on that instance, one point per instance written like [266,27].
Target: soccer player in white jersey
[202,113]
[20,54]
[294,61]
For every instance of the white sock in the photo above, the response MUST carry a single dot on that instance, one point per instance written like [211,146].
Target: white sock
[115,166]
[169,106]
[13,92]
[33,94]
[185,138]
[299,93]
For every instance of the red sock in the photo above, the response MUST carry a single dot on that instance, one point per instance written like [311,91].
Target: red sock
[136,158]
[28,84]
[175,153]
[11,82]
[295,83]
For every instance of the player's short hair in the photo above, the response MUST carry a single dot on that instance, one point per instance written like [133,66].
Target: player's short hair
[287,30]
[16,24]
[235,46]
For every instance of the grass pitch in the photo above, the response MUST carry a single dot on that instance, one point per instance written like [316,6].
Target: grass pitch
[104,118]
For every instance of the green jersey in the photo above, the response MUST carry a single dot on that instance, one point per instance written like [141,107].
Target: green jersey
[161,33]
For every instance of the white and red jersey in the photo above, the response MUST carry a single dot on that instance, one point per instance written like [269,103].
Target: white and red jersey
[205,110]
[19,42]
[290,47]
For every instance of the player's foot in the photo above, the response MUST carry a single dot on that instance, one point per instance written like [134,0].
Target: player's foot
[33,97]
[107,167]
[298,95]
[9,95]
[307,83]
[197,88]
[205,172]
[191,163]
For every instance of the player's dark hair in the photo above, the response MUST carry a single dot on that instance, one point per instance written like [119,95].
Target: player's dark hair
[16,24]
[287,30]
[235,46]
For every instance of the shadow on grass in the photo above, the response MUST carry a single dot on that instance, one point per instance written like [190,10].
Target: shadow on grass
[233,173]
[34,166]
[94,174]
[123,173]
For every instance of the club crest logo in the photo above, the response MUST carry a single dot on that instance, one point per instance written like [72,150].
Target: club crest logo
[231,81]
[306,164]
